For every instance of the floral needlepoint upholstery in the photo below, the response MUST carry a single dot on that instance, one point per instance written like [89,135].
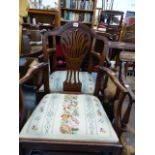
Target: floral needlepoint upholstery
[57,78]
[69,117]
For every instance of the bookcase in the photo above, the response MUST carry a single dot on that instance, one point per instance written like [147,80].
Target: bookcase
[45,16]
[78,10]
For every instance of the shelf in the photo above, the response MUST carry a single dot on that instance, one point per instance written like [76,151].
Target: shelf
[44,16]
[63,20]
[42,11]
[77,10]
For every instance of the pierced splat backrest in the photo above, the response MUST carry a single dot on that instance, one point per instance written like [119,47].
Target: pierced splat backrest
[75,41]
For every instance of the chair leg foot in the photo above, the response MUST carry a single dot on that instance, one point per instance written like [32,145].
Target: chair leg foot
[21,151]
[36,152]
[116,152]
[106,153]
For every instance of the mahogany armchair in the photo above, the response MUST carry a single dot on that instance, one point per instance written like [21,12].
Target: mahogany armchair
[71,120]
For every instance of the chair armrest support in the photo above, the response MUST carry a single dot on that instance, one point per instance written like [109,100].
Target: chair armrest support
[34,69]
[120,95]
[101,55]
[112,76]
[31,71]
[48,51]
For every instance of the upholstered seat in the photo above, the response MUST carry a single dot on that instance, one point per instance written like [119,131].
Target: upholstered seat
[69,117]
[57,78]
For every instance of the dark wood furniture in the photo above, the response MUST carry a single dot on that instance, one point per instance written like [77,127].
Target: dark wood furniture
[31,50]
[129,58]
[31,43]
[27,92]
[110,24]
[39,26]
[115,47]
[76,41]
[121,45]
[128,33]
[127,137]
[39,19]
[45,16]
[126,76]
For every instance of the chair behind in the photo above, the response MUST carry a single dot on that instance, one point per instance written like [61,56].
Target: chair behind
[111,21]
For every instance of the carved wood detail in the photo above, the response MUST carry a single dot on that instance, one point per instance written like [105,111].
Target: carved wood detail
[75,43]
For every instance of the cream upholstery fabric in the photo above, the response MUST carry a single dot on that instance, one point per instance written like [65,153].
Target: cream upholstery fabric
[110,91]
[69,117]
[58,77]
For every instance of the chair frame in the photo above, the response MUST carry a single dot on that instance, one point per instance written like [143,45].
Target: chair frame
[77,146]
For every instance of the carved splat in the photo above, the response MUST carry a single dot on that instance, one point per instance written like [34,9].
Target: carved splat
[75,43]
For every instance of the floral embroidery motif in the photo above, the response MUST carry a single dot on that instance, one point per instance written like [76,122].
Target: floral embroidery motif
[70,116]
[41,109]
[102,130]
[95,118]
[34,127]
[90,117]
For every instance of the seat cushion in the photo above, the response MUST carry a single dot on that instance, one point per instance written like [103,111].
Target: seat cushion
[69,117]
[58,77]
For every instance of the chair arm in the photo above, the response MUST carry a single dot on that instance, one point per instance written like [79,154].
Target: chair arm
[46,49]
[96,54]
[101,55]
[112,76]
[31,71]
[119,97]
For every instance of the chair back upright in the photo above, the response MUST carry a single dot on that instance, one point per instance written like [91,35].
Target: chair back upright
[76,40]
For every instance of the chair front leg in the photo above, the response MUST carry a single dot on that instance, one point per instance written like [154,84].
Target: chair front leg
[117,151]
